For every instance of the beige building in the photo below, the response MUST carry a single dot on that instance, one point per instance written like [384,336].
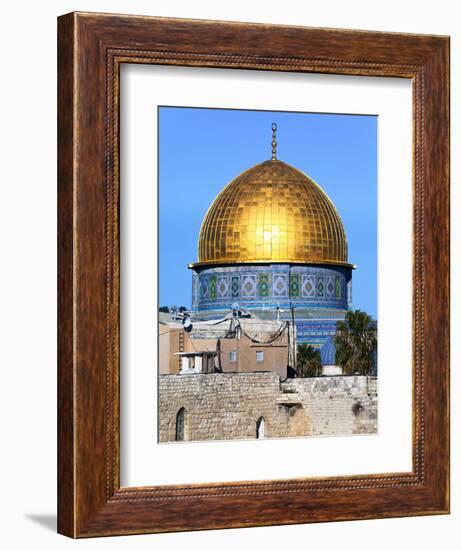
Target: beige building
[227,345]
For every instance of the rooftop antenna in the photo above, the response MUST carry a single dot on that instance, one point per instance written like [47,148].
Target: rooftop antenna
[274,141]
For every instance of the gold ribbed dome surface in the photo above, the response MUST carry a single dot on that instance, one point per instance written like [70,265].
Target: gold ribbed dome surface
[272,213]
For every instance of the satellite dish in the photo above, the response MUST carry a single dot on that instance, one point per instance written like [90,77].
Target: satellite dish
[236,312]
[187,323]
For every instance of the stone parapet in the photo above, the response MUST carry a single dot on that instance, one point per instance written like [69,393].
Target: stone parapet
[225,406]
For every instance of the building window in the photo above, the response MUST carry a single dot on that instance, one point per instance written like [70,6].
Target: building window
[259,357]
[180,424]
[260,428]
[232,357]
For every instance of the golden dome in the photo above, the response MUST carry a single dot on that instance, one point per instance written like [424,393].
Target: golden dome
[272,213]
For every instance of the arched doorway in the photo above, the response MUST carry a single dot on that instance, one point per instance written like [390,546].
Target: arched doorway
[180,424]
[260,428]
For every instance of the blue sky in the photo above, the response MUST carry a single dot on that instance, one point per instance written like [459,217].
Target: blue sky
[201,150]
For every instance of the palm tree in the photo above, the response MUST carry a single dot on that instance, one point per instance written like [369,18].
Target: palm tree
[356,342]
[308,361]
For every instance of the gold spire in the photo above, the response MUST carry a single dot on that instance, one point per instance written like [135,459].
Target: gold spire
[274,141]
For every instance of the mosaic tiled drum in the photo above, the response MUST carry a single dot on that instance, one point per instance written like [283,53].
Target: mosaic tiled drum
[272,239]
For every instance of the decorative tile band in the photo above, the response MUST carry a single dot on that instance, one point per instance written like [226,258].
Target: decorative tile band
[315,332]
[263,286]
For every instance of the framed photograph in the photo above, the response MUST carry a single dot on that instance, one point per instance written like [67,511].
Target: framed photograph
[253,275]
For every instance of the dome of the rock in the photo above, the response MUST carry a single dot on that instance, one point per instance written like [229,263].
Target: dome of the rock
[273,245]
[272,212]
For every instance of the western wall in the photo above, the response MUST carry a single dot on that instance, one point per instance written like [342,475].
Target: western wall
[233,405]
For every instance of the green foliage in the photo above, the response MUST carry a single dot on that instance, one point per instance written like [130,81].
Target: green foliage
[308,362]
[356,341]
[164,309]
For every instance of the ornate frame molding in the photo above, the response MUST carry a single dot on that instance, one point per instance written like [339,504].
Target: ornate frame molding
[91,49]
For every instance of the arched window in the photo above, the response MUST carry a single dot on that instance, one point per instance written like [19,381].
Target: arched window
[180,424]
[260,427]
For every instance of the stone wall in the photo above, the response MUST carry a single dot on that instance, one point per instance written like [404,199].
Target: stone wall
[228,406]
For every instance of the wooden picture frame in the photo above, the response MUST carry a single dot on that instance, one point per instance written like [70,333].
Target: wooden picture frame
[92,47]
